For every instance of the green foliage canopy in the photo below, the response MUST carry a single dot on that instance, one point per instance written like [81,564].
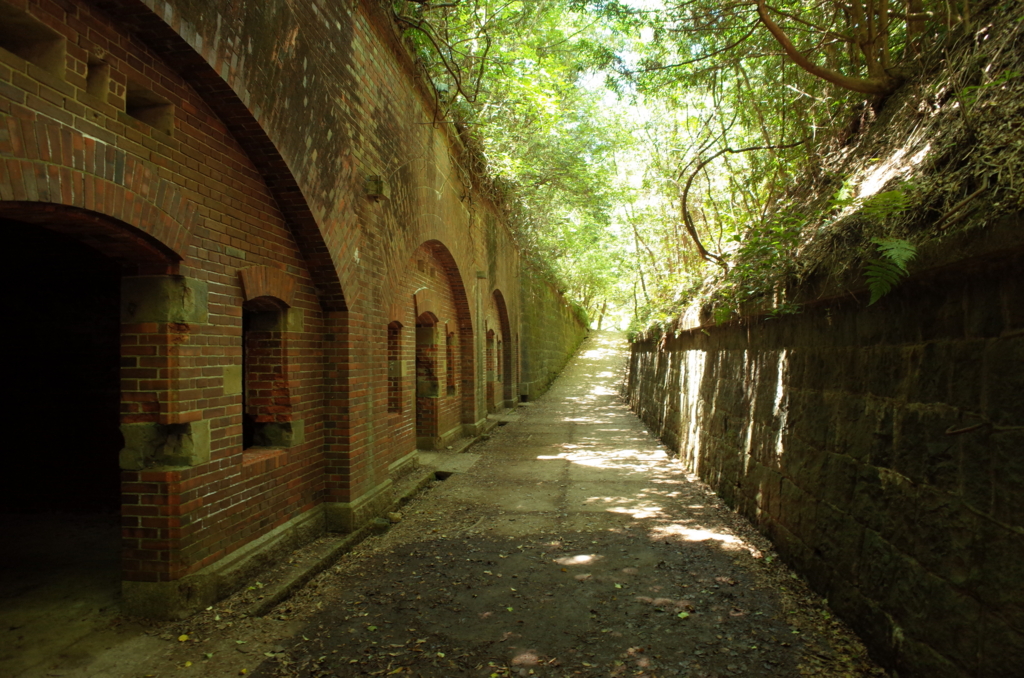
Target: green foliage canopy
[694,159]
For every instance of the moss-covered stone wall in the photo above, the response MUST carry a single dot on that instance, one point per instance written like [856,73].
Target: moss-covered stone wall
[552,331]
[881,448]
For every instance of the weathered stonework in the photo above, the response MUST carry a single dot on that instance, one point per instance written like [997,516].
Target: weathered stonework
[881,448]
[551,332]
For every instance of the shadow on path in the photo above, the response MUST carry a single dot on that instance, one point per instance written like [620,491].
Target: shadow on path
[568,543]
[574,546]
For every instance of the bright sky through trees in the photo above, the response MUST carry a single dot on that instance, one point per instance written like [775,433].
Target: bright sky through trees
[642,147]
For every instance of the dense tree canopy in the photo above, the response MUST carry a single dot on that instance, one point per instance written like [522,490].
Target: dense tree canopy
[642,146]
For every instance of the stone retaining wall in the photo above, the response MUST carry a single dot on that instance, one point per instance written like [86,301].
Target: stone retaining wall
[552,331]
[880,447]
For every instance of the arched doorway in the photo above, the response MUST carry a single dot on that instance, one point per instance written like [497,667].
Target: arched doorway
[491,363]
[500,355]
[428,391]
[61,493]
[509,355]
[66,374]
[430,355]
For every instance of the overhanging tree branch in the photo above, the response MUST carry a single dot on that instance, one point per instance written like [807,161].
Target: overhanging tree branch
[704,57]
[691,228]
[423,28]
[875,85]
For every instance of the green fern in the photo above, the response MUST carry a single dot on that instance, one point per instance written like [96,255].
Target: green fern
[885,273]
[843,197]
[900,252]
[883,205]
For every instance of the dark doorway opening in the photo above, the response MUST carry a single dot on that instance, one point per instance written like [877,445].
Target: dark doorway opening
[427,381]
[60,491]
[64,371]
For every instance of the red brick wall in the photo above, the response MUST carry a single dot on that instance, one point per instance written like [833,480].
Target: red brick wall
[432,285]
[97,158]
[279,119]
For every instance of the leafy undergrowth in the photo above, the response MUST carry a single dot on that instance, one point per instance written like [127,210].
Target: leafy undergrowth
[948,144]
[944,154]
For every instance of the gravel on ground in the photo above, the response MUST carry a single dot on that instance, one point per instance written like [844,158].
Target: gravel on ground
[568,542]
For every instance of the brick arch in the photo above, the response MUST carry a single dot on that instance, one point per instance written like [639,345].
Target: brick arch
[224,96]
[427,319]
[56,165]
[396,311]
[464,322]
[506,335]
[454,275]
[264,281]
[426,302]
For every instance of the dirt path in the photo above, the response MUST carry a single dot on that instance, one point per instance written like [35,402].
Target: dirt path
[569,545]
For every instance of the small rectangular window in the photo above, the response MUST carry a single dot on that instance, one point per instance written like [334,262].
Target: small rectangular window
[97,78]
[395,367]
[449,357]
[149,107]
[499,363]
[25,36]
[266,393]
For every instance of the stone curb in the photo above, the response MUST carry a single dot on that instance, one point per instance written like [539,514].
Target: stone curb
[331,552]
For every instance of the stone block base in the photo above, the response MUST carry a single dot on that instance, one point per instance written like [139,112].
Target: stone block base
[404,466]
[349,516]
[183,597]
[442,441]
[479,428]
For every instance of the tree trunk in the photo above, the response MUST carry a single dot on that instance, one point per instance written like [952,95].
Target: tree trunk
[881,83]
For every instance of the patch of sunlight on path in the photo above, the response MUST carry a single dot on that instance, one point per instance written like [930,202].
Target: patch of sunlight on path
[591,462]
